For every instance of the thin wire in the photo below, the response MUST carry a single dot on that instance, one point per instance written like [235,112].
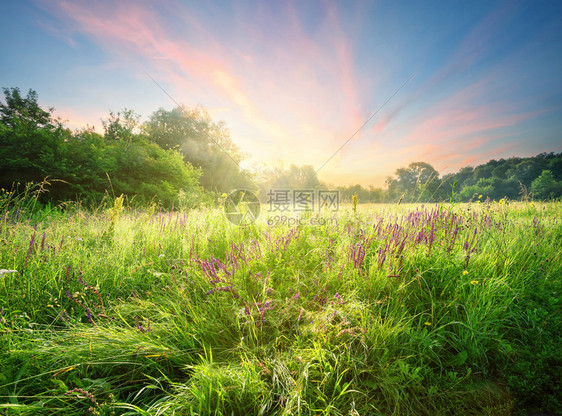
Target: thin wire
[182,109]
[364,124]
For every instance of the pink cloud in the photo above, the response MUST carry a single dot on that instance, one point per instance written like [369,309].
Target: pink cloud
[75,121]
[460,124]
[290,92]
[295,90]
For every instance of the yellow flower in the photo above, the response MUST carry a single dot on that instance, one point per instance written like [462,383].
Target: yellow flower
[465,272]
[223,195]
[474,282]
[479,196]
[428,323]
[502,201]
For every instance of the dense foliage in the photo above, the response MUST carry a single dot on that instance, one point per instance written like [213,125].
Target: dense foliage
[203,143]
[538,177]
[85,165]
[408,310]
[183,156]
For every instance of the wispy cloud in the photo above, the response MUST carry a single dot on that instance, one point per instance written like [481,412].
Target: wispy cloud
[295,93]
[290,85]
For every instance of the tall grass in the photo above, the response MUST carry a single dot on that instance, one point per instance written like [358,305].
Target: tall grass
[379,310]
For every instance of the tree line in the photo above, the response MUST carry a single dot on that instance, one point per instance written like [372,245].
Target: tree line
[177,156]
[538,177]
[181,156]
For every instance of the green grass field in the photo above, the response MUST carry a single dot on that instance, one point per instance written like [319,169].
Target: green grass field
[393,310]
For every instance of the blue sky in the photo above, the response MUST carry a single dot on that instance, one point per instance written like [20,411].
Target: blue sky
[293,80]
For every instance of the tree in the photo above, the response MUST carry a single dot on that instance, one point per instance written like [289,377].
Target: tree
[546,186]
[493,188]
[418,182]
[33,146]
[30,138]
[526,171]
[293,178]
[203,143]
[23,111]
[122,125]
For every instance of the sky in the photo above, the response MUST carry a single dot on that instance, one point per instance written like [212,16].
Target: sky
[451,83]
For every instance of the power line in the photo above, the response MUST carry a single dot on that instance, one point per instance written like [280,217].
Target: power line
[364,124]
[183,110]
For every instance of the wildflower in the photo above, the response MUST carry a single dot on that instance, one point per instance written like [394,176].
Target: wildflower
[427,323]
[502,201]
[474,282]
[89,315]
[479,196]
[223,195]
[465,272]
[43,242]
[30,250]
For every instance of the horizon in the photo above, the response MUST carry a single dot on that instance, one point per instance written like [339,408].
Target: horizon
[293,82]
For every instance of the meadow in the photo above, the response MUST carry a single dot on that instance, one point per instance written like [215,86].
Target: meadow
[440,309]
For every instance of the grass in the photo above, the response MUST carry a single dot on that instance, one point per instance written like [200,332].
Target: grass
[390,310]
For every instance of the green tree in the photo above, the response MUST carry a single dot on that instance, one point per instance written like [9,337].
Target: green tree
[30,138]
[122,125]
[546,186]
[526,171]
[203,143]
[33,145]
[493,188]
[19,111]
[293,178]
[417,182]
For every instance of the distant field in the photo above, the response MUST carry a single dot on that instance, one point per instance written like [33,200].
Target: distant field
[392,310]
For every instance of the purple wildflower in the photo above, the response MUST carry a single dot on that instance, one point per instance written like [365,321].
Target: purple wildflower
[89,315]
[30,250]
[141,328]
[64,316]
[43,242]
